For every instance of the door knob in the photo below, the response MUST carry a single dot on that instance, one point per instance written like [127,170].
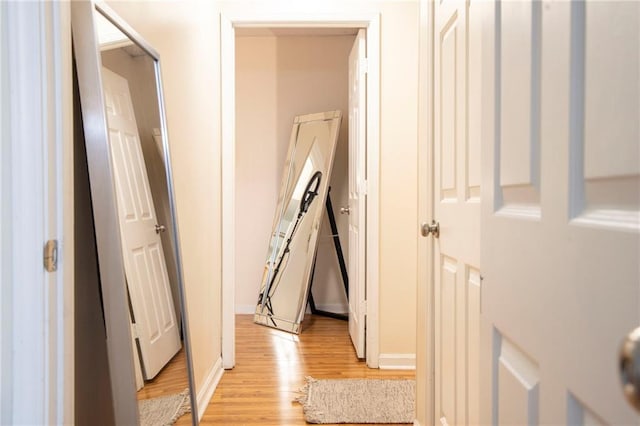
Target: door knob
[433,229]
[345,210]
[160,228]
[630,368]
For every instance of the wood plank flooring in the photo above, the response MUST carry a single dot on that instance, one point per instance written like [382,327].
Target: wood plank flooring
[172,379]
[271,366]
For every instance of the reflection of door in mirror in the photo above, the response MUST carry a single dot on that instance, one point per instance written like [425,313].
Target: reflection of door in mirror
[133,122]
[153,314]
[135,224]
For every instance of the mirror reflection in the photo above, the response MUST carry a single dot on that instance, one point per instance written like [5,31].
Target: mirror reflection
[133,122]
[291,254]
[145,220]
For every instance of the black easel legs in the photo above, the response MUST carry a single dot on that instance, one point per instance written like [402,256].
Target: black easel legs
[341,262]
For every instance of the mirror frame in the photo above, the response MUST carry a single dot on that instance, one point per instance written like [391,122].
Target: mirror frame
[101,172]
[294,325]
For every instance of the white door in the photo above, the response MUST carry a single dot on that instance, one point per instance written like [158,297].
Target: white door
[456,207]
[561,209]
[144,260]
[357,143]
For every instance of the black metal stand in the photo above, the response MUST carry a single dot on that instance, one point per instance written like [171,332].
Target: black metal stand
[343,266]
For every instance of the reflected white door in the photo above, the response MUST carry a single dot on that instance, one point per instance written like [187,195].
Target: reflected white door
[561,209]
[357,143]
[456,204]
[144,260]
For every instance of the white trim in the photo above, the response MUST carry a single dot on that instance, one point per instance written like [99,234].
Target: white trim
[5,226]
[228,120]
[397,361]
[370,21]
[38,326]
[373,192]
[425,360]
[208,387]
[65,315]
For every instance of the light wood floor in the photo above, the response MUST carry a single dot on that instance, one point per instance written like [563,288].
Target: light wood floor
[171,380]
[271,367]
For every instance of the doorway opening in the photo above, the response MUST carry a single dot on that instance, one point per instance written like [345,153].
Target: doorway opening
[338,28]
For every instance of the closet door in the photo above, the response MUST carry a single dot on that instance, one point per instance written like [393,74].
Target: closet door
[356,209]
[456,205]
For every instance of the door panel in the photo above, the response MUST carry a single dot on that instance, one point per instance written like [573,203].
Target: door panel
[561,209]
[457,209]
[145,268]
[357,216]
[519,144]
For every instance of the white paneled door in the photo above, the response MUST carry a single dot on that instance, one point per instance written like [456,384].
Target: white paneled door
[560,209]
[456,206]
[357,212]
[144,261]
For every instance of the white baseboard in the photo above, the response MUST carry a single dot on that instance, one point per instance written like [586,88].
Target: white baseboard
[416,423]
[245,309]
[397,362]
[209,386]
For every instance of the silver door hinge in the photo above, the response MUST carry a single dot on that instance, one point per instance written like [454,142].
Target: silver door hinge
[50,256]
[365,187]
[364,65]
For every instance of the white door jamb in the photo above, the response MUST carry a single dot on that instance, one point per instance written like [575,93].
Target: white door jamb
[36,190]
[369,21]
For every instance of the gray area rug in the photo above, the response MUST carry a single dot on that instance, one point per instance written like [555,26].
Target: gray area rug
[164,410]
[358,400]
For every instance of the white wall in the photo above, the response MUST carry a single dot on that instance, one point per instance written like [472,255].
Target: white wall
[187,35]
[277,78]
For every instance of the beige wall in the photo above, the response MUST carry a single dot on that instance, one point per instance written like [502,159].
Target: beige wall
[398,177]
[259,160]
[278,78]
[186,33]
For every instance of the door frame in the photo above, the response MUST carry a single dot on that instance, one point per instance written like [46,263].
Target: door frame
[36,178]
[250,19]
[425,343]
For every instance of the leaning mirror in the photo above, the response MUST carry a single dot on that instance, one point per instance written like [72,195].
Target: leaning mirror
[129,167]
[292,247]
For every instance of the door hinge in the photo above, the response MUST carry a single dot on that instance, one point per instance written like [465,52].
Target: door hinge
[481,291]
[50,256]
[364,190]
[364,65]
[134,331]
